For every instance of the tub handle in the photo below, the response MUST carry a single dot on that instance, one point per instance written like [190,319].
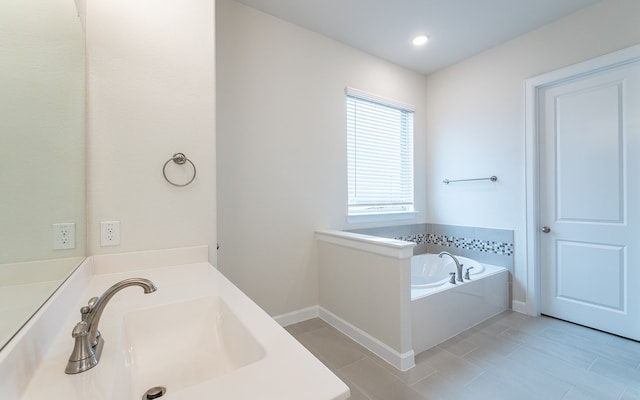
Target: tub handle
[466,274]
[453,277]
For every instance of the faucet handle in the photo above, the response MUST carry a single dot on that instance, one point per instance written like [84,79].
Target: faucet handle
[86,310]
[81,329]
[453,277]
[92,302]
[466,274]
[83,356]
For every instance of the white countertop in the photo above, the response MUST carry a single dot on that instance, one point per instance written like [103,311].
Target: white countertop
[287,370]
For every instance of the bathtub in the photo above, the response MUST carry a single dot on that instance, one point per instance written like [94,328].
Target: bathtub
[440,309]
[366,292]
[430,271]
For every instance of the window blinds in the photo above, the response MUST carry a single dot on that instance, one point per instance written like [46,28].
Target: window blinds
[379,153]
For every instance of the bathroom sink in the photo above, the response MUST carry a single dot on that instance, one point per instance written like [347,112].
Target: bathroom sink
[181,344]
[198,336]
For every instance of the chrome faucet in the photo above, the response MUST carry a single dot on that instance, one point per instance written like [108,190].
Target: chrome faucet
[88,341]
[458,265]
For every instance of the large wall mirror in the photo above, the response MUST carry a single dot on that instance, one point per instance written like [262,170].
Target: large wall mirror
[42,153]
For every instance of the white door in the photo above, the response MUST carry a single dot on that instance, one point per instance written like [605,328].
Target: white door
[590,200]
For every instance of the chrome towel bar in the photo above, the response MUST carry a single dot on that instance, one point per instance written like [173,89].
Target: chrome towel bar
[491,178]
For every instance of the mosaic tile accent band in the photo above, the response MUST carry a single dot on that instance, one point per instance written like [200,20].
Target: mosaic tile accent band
[485,246]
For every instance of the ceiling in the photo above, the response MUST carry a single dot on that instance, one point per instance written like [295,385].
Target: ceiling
[457,29]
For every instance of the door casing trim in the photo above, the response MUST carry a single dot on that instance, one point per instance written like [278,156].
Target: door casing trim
[532,87]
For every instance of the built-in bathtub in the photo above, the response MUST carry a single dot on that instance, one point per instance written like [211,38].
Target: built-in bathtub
[441,309]
[366,292]
[430,271]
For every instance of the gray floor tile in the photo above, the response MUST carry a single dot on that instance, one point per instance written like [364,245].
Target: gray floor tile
[486,359]
[577,393]
[617,372]
[525,323]
[624,344]
[306,326]
[510,356]
[538,382]
[458,346]
[376,383]
[501,345]
[593,335]
[415,374]
[599,345]
[517,374]
[584,380]
[493,325]
[498,387]
[580,358]
[437,387]
[332,346]
[356,394]
[451,366]
[631,394]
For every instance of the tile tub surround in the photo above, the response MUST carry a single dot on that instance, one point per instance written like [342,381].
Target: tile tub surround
[32,366]
[510,356]
[485,245]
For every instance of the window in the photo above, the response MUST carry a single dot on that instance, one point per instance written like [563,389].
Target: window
[379,155]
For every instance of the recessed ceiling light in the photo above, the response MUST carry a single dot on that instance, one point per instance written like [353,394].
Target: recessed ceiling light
[420,40]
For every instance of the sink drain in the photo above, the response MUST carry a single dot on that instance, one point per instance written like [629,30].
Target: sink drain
[154,393]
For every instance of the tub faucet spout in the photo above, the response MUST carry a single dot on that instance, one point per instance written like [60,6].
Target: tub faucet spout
[88,341]
[458,265]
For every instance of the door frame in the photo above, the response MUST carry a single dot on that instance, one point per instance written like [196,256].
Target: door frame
[532,87]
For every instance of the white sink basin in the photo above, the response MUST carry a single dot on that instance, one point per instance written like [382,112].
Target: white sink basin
[181,344]
[198,336]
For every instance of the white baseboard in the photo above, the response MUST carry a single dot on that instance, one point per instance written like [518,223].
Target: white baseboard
[519,306]
[401,361]
[298,316]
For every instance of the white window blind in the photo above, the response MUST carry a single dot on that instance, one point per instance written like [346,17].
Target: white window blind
[380,154]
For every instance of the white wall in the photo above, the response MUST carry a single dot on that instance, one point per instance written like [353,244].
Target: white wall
[41,127]
[282,148]
[476,118]
[150,94]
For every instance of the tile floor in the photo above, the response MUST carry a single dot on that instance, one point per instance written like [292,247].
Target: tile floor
[510,356]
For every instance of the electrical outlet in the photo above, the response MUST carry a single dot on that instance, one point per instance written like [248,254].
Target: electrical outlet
[109,233]
[64,236]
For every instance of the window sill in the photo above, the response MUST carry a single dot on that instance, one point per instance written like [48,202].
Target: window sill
[381,217]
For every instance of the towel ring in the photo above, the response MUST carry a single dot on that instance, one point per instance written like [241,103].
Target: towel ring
[179,158]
